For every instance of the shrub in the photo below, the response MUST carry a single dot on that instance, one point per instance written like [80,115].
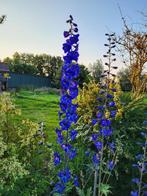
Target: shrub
[24,152]
[87,101]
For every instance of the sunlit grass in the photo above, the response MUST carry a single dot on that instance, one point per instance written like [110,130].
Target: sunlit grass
[39,107]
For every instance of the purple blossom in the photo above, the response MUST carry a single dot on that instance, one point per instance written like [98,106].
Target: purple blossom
[139,156]
[145,193]
[105,122]
[59,187]
[134,193]
[66,33]
[144,134]
[112,113]
[111,165]
[72,153]
[68,115]
[100,99]
[65,83]
[72,117]
[96,159]
[94,121]
[64,175]
[66,47]
[87,153]
[60,139]
[76,70]
[76,182]
[72,109]
[73,39]
[66,147]
[65,124]
[106,132]
[100,107]
[110,96]
[135,165]
[94,136]
[67,59]
[73,134]
[111,104]
[98,145]
[57,159]
[135,180]
[73,91]
[113,89]
[112,146]
[99,114]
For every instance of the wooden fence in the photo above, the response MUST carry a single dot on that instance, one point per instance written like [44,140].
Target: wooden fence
[26,80]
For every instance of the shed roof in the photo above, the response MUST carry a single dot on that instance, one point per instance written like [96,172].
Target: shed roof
[4,67]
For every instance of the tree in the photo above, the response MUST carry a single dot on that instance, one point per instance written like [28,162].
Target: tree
[84,76]
[18,65]
[123,76]
[43,64]
[96,70]
[133,44]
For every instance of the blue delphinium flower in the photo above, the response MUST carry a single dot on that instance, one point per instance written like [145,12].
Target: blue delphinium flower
[141,165]
[111,104]
[111,146]
[135,180]
[113,113]
[102,121]
[106,132]
[105,122]
[111,165]
[76,182]
[94,121]
[98,145]
[96,159]
[73,134]
[66,34]
[87,153]
[68,114]
[94,137]
[99,115]
[59,187]
[134,193]
[57,158]
[72,153]
[65,175]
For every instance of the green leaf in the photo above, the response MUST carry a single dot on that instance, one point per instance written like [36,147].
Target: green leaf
[105,189]
[82,193]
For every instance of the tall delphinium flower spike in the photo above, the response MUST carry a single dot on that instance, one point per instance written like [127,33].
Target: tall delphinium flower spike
[106,111]
[68,115]
[141,165]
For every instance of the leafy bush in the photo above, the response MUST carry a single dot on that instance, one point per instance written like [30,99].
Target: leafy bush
[87,101]
[25,156]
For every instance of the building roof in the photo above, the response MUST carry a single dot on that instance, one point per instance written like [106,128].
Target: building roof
[4,67]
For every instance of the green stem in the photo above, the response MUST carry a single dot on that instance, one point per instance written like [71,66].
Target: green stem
[142,168]
[107,179]
[100,168]
[95,181]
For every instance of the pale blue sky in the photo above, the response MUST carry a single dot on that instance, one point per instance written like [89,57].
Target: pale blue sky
[36,26]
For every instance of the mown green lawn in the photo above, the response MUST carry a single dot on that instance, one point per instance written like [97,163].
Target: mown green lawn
[39,107]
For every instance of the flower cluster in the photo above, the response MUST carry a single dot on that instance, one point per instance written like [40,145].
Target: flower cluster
[106,111]
[141,165]
[68,114]
[106,105]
